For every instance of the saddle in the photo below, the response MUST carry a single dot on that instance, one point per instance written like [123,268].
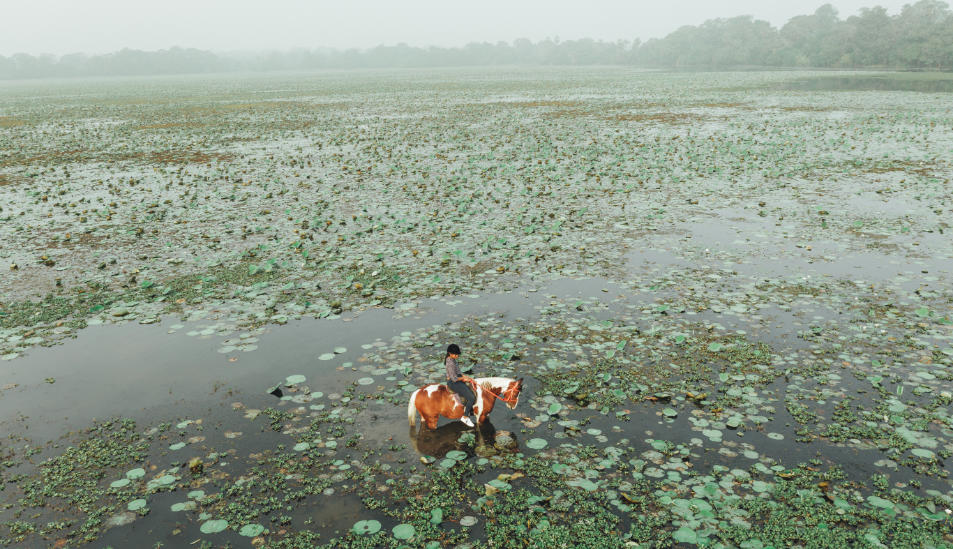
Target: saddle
[457,398]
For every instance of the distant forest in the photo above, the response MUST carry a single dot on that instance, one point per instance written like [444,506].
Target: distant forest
[919,37]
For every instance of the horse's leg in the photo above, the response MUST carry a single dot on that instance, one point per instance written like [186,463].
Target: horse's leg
[487,407]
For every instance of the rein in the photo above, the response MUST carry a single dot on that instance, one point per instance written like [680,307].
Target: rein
[473,384]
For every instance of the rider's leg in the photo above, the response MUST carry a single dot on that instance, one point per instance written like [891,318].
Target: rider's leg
[462,389]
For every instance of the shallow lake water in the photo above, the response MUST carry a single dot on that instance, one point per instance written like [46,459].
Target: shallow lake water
[728,297]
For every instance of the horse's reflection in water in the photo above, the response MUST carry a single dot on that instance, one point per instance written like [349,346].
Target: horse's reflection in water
[437,442]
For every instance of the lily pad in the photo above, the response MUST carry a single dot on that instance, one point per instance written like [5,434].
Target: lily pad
[456,455]
[584,483]
[136,504]
[139,472]
[165,480]
[363,527]
[468,520]
[536,443]
[295,379]
[251,530]
[403,531]
[685,535]
[213,526]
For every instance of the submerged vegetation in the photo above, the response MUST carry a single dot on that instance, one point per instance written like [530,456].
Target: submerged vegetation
[730,300]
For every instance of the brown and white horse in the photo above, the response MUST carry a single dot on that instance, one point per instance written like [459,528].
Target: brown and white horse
[435,400]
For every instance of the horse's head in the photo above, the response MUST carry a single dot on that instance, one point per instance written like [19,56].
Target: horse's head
[511,395]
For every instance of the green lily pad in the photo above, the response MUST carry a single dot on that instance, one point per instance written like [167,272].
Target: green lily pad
[403,531]
[295,379]
[326,356]
[136,504]
[363,527]
[365,381]
[880,502]
[177,446]
[468,521]
[213,526]
[301,447]
[670,412]
[584,483]
[714,348]
[436,515]
[139,472]
[251,530]
[685,535]
[119,483]
[896,406]
[340,350]
[554,408]
[536,443]
[499,484]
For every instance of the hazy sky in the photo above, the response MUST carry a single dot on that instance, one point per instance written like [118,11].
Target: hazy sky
[100,26]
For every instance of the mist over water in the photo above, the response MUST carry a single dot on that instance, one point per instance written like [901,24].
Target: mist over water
[915,36]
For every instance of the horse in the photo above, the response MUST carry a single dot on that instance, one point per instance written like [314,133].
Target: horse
[435,400]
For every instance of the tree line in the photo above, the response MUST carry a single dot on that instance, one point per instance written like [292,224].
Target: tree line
[919,37]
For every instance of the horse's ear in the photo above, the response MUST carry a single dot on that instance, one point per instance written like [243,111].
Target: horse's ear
[520,381]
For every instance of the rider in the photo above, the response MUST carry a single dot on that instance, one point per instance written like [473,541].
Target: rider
[459,383]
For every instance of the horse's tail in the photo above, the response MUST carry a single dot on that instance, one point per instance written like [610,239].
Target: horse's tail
[412,408]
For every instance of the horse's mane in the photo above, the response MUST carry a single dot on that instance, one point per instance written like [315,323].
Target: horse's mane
[487,383]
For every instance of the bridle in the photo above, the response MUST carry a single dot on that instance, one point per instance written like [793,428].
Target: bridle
[507,400]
